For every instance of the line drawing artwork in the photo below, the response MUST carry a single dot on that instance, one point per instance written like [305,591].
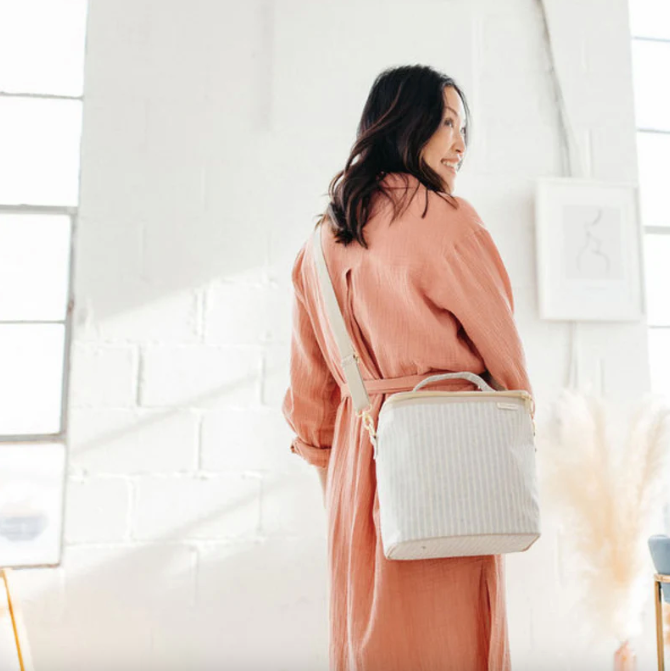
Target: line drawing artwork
[588,244]
[591,252]
[592,237]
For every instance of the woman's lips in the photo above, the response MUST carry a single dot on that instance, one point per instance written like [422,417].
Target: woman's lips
[449,166]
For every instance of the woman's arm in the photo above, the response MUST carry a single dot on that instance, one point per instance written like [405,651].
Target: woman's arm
[311,402]
[472,283]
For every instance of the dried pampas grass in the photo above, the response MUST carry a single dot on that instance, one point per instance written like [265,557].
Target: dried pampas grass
[606,478]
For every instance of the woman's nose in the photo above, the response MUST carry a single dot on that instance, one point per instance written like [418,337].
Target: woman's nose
[459,144]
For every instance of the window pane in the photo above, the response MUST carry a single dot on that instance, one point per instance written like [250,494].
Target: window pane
[32,482]
[42,46]
[653,152]
[657,277]
[650,18]
[31,361]
[651,64]
[34,266]
[39,161]
[659,360]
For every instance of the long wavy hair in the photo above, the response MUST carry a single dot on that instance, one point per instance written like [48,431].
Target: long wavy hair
[404,108]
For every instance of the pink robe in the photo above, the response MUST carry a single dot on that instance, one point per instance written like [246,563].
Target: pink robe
[431,294]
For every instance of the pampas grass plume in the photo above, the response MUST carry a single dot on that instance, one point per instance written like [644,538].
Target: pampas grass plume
[606,482]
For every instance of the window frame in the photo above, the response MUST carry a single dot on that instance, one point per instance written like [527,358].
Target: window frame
[61,436]
[652,229]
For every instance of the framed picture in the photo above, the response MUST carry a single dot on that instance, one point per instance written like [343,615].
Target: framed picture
[32,482]
[589,247]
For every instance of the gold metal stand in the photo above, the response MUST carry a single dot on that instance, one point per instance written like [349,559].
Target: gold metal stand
[659,579]
[20,636]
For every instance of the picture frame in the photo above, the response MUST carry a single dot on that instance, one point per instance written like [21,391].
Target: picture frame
[32,490]
[589,250]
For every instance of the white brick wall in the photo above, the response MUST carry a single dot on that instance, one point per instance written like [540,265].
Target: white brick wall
[97,509]
[199,376]
[132,441]
[211,132]
[197,507]
[103,376]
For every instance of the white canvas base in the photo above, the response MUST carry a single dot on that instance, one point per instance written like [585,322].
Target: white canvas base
[486,544]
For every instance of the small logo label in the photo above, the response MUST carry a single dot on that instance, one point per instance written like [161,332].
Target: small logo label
[507,406]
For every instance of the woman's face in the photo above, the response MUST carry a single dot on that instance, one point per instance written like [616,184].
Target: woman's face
[446,147]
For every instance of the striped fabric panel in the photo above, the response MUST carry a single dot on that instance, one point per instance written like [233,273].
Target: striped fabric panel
[456,478]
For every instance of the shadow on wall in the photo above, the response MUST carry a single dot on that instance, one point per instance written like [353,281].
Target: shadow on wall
[169,601]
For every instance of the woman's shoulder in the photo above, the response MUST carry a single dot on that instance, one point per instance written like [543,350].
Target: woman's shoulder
[304,273]
[301,264]
[449,220]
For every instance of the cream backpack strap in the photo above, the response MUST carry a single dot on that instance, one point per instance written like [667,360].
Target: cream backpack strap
[349,357]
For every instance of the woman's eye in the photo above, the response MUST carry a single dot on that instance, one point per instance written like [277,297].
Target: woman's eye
[450,122]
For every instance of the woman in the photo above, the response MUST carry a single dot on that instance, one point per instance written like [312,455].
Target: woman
[423,290]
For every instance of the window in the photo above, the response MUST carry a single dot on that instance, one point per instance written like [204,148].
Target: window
[650,30]
[41,93]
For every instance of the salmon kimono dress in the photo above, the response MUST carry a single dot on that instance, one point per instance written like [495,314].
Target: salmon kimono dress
[429,295]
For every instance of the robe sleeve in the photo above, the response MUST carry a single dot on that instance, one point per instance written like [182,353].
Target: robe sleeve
[472,283]
[311,402]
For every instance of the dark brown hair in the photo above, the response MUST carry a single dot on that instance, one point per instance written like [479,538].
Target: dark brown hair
[404,108]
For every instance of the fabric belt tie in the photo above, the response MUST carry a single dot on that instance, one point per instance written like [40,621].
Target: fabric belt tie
[392,385]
